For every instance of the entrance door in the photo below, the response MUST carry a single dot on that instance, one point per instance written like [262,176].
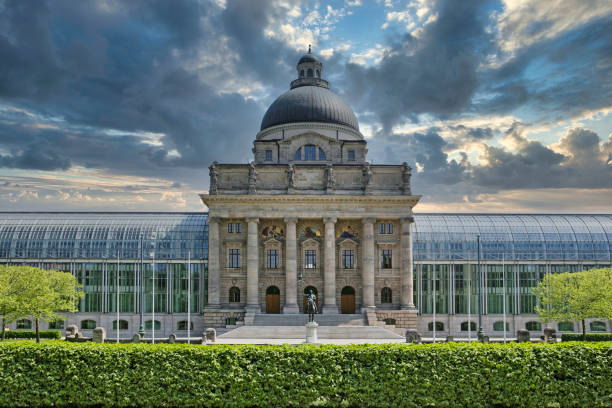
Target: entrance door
[347,300]
[307,290]
[272,300]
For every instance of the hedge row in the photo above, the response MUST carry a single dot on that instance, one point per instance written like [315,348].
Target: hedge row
[392,375]
[589,337]
[31,334]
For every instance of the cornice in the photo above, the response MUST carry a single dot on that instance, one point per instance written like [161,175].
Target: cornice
[309,126]
[309,198]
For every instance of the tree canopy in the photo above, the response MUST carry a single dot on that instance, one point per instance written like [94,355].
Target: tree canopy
[26,291]
[575,296]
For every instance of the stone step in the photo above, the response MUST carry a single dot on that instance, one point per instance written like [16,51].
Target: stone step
[302,319]
[299,332]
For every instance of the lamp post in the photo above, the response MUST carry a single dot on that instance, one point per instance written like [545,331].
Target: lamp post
[479,293]
[141,329]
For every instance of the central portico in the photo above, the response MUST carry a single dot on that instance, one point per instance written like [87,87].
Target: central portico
[310,213]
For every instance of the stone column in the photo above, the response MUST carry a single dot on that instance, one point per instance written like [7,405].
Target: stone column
[214,266]
[407,264]
[253,264]
[367,279]
[291,305]
[329,268]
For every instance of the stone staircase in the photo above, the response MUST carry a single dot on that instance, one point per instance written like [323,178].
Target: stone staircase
[298,333]
[302,319]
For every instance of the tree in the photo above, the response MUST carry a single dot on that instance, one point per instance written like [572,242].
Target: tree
[40,294]
[9,278]
[575,296]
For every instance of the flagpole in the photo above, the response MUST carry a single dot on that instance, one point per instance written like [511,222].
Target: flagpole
[189,298]
[469,301]
[118,325]
[504,291]
[434,302]
[153,302]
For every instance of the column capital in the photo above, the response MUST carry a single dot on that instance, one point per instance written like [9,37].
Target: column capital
[252,219]
[409,219]
[330,219]
[290,220]
[368,220]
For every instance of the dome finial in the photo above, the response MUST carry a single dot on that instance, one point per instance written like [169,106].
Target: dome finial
[309,49]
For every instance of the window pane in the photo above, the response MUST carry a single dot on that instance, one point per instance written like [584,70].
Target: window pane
[310,258]
[298,154]
[310,152]
[322,154]
[272,259]
[386,259]
[348,258]
[268,155]
[351,155]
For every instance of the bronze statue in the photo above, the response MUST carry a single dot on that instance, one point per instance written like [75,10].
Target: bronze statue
[311,306]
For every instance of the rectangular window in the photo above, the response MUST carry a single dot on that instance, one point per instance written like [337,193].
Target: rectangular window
[381,228]
[238,228]
[389,228]
[386,259]
[348,258]
[234,258]
[310,258]
[272,259]
[310,152]
[268,155]
[351,155]
[230,227]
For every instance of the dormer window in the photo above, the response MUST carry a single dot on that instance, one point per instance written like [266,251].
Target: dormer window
[310,153]
[302,74]
[309,73]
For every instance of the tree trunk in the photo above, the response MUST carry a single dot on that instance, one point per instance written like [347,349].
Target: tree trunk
[3,329]
[37,330]
[583,330]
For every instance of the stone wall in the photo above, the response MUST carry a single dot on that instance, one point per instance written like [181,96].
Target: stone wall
[217,318]
[403,318]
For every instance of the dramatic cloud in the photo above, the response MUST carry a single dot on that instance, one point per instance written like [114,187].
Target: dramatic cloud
[123,104]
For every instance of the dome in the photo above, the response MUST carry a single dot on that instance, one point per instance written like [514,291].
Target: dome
[308,58]
[309,104]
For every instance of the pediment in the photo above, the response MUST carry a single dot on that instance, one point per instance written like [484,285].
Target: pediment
[310,241]
[272,241]
[346,241]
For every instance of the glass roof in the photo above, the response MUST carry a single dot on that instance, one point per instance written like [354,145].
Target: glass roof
[513,237]
[104,235]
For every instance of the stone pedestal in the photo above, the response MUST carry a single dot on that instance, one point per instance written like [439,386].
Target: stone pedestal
[522,336]
[172,339]
[99,335]
[71,330]
[210,335]
[413,336]
[136,338]
[550,335]
[311,332]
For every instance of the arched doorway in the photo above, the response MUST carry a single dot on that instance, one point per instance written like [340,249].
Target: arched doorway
[307,290]
[272,300]
[347,300]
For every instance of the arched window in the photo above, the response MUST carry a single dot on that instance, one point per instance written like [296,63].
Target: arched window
[56,325]
[318,74]
[322,154]
[234,294]
[302,74]
[123,324]
[24,324]
[565,326]
[310,152]
[499,326]
[533,326]
[309,73]
[386,295]
[597,326]
[88,324]
[464,326]
[182,325]
[298,154]
[149,325]
[439,326]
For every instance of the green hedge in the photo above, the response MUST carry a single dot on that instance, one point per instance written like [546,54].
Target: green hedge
[589,337]
[31,334]
[392,375]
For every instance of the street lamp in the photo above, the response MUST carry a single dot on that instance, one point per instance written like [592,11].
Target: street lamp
[479,334]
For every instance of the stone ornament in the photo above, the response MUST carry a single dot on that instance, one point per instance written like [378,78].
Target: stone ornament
[252,178]
[406,174]
[99,335]
[522,336]
[330,178]
[136,338]
[210,335]
[367,176]
[214,178]
[413,336]
[290,176]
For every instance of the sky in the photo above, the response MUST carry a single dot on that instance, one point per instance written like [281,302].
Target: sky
[499,106]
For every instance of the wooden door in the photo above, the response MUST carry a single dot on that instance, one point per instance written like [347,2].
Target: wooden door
[272,303]
[347,304]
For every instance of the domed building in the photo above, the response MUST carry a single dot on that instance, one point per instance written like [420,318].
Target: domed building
[317,216]
[308,215]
